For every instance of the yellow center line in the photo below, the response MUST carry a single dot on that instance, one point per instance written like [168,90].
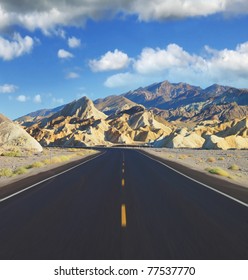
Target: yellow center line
[123,216]
[123,182]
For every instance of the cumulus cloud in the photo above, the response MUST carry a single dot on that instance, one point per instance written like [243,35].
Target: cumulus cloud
[233,62]
[37,98]
[64,54]
[110,61]
[176,64]
[22,98]
[49,15]
[17,46]
[74,42]
[158,59]
[8,88]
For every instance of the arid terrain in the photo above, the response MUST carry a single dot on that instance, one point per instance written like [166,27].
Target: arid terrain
[231,165]
[14,168]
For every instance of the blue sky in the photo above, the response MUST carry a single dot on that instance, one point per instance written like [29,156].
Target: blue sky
[53,52]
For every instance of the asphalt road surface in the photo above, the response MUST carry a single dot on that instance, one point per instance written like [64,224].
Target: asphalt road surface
[122,205]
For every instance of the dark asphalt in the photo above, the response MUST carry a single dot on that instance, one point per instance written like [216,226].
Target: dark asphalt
[77,215]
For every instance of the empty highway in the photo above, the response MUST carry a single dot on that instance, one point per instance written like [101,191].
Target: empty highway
[123,205]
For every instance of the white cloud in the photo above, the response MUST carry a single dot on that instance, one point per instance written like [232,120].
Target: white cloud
[155,60]
[72,75]
[51,15]
[64,54]
[230,61]
[8,88]
[110,61]
[164,9]
[37,98]
[74,42]
[22,98]
[175,64]
[16,47]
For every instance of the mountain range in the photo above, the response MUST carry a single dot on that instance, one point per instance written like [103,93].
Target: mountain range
[162,114]
[173,102]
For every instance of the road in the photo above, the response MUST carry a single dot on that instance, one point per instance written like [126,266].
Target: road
[122,205]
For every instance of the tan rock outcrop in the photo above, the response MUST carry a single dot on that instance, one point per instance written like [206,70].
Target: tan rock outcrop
[13,136]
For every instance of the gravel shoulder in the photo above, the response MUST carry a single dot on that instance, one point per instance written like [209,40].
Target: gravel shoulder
[21,167]
[232,163]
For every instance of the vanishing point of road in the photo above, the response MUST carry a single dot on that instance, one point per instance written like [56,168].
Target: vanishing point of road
[122,204]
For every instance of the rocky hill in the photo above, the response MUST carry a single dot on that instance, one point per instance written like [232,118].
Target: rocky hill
[13,137]
[80,124]
[209,135]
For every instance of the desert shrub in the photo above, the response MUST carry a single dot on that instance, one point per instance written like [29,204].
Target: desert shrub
[182,157]
[64,158]
[12,153]
[6,172]
[55,160]
[21,170]
[234,167]
[219,171]
[82,153]
[46,161]
[37,164]
[221,158]
[211,159]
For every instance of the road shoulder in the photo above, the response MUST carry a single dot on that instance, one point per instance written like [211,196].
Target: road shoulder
[21,182]
[230,188]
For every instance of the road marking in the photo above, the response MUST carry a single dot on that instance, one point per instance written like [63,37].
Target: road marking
[194,180]
[49,178]
[123,170]
[123,182]
[123,216]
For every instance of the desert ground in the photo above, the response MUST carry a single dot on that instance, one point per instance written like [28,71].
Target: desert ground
[231,165]
[15,167]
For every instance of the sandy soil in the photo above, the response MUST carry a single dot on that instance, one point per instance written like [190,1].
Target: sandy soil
[204,159]
[48,154]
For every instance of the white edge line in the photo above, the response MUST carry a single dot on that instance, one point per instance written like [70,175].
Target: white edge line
[192,179]
[49,178]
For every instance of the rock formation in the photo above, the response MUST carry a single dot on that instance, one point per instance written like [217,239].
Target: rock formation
[80,124]
[211,118]
[12,136]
